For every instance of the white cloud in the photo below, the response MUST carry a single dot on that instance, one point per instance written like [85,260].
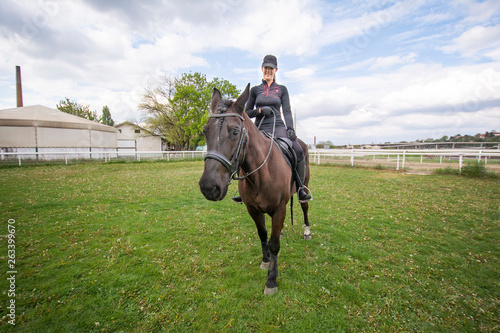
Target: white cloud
[385,62]
[300,73]
[413,102]
[475,40]
[478,11]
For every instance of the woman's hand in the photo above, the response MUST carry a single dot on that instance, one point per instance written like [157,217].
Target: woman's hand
[266,111]
[291,134]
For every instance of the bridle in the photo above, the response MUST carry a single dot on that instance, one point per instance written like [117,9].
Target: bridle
[233,166]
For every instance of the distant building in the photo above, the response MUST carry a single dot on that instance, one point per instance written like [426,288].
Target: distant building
[39,129]
[132,138]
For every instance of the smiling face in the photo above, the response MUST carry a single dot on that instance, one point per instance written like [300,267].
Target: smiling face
[268,73]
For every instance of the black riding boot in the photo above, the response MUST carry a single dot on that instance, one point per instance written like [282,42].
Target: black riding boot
[301,193]
[237,199]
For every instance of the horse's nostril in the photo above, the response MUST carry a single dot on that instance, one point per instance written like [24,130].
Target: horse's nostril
[214,191]
[210,190]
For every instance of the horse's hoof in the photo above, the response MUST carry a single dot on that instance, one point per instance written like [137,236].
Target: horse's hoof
[307,232]
[265,265]
[270,291]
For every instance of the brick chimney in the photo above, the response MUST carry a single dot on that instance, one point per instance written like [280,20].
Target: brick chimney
[19,87]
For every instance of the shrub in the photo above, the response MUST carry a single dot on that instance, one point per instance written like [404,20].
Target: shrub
[470,170]
[474,170]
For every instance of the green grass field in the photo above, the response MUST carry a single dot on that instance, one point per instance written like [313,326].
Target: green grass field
[135,247]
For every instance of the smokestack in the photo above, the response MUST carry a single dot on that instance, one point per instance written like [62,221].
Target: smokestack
[19,87]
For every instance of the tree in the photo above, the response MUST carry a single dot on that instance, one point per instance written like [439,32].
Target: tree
[178,107]
[76,109]
[84,111]
[106,117]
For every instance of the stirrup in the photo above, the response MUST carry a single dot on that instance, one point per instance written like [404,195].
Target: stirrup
[237,200]
[308,196]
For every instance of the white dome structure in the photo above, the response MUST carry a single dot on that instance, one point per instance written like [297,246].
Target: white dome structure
[39,129]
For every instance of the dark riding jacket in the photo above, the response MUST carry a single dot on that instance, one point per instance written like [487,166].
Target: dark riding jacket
[275,96]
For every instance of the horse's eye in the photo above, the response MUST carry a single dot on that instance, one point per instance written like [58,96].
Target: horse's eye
[235,132]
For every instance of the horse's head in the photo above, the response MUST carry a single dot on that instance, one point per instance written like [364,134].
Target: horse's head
[226,137]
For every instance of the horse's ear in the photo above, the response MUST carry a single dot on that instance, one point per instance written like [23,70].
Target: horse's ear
[240,102]
[216,98]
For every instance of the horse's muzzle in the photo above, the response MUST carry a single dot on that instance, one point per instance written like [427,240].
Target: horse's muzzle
[211,190]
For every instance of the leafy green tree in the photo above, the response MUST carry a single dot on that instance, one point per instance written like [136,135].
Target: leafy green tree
[106,117]
[77,109]
[84,111]
[178,107]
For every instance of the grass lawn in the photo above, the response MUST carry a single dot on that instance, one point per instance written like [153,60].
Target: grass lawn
[135,247]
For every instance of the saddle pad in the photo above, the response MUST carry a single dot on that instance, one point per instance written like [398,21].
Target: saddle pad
[285,146]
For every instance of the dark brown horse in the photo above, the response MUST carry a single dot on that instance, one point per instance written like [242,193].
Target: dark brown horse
[238,150]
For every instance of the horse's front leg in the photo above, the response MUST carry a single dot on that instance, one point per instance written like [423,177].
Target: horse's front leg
[260,223]
[274,248]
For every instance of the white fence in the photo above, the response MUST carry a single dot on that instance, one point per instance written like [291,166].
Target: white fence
[105,156]
[400,157]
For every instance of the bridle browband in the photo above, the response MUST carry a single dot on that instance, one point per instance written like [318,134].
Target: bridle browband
[235,163]
[232,165]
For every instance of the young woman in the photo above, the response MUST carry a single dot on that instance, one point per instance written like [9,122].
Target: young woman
[267,99]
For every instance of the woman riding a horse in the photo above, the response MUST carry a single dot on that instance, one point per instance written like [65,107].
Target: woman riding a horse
[238,150]
[264,103]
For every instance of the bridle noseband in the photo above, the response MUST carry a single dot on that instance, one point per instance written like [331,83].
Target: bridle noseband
[232,165]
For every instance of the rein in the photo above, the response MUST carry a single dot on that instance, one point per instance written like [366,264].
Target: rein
[234,165]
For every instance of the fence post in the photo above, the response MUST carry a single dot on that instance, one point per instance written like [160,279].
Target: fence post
[397,167]
[352,157]
[404,158]
[19,159]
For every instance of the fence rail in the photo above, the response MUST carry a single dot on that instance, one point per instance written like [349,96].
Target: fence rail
[400,157]
[105,156]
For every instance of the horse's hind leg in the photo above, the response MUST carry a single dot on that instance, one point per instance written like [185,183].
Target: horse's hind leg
[260,223]
[305,205]
[307,228]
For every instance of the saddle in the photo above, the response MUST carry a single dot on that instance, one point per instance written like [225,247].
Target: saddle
[286,147]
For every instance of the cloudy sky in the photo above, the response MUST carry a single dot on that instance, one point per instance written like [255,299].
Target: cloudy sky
[360,71]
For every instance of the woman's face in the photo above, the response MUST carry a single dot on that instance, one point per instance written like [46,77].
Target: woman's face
[268,73]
